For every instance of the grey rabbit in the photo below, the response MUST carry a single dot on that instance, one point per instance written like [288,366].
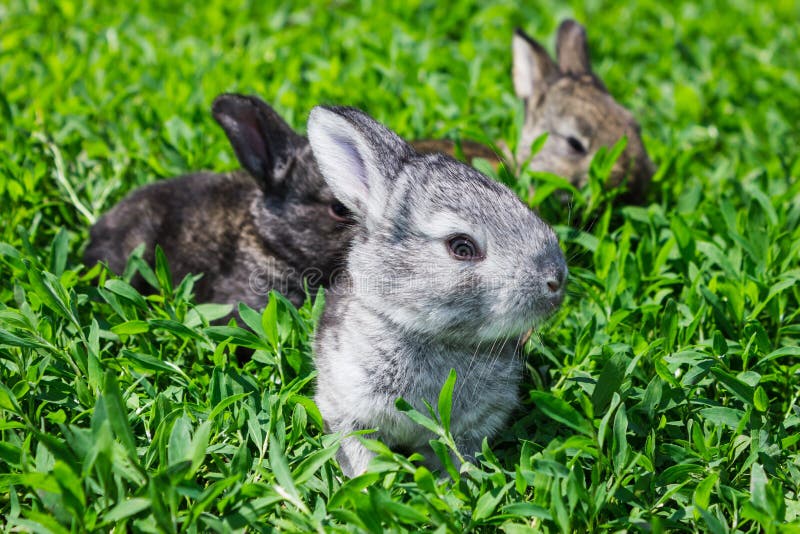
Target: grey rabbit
[565,99]
[274,224]
[447,269]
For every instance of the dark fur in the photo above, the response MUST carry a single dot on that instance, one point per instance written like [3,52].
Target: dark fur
[266,227]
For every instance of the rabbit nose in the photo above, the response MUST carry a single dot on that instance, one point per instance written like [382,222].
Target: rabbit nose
[555,279]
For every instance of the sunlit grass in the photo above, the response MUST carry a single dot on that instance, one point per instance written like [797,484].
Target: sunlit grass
[663,396]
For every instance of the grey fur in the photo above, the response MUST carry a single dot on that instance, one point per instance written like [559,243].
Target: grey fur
[567,100]
[266,226]
[408,311]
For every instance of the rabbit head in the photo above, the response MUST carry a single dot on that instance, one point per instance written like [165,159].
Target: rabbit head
[446,267]
[274,224]
[566,100]
[297,215]
[440,249]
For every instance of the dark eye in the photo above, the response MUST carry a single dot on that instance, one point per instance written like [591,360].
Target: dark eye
[576,145]
[462,247]
[339,212]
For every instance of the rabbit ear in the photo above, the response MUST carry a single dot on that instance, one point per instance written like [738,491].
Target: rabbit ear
[357,156]
[533,67]
[264,144]
[572,49]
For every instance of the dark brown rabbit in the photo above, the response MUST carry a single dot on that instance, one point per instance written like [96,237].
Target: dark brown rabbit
[566,100]
[272,225]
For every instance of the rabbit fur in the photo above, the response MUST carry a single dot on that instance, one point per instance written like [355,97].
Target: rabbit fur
[411,307]
[274,224]
[570,103]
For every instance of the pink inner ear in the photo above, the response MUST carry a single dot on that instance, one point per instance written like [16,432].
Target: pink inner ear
[345,170]
[357,165]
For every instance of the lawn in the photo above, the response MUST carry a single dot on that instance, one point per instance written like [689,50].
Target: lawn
[663,396]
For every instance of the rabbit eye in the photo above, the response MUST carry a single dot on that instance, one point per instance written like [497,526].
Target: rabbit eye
[576,145]
[339,212]
[463,248]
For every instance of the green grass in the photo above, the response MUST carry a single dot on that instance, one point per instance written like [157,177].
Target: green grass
[662,397]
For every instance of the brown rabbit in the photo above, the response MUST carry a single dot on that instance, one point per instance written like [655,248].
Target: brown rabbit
[273,225]
[571,104]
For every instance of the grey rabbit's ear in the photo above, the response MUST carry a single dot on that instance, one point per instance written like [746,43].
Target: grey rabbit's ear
[358,157]
[264,144]
[572,49]
[533,68]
